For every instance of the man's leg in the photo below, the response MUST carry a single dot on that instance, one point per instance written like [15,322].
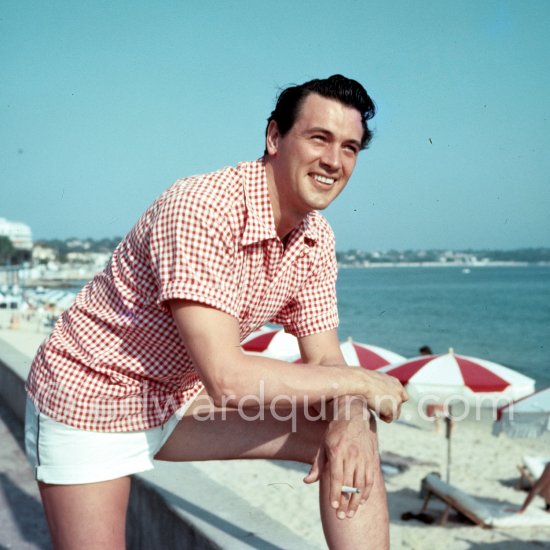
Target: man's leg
[91,515]
[232,435]
[369,528]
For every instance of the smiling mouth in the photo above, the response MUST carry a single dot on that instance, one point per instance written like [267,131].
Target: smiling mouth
[324,179]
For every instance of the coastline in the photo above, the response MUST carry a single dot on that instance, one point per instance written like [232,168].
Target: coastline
[69,276]
[460,265]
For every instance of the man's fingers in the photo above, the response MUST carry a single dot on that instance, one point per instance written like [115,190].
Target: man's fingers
[388,412]
[349,479]
[387,396]
[336,482]
[316,468]
[357,498]
[353,505]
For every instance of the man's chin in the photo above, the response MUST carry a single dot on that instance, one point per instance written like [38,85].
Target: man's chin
[321,205]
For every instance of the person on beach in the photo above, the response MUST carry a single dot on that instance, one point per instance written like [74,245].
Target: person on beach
[147,365]
[540,487]
[425,350]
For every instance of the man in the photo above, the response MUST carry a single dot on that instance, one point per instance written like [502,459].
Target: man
[159,331]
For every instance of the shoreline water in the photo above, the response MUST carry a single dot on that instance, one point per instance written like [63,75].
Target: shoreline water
[74,274]
[460,265]
[492,313]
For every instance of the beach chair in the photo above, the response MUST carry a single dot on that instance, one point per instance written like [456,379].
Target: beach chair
[530,470]
[479,512]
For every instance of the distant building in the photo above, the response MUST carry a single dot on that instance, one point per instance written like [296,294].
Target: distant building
[43,254]
[77,243]
[18,233]
[97,259]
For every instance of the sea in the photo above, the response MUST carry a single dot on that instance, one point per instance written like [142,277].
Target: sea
[501,314]
[497,313]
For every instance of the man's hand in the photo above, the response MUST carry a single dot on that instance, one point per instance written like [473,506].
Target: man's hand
[385,395]
[348,456]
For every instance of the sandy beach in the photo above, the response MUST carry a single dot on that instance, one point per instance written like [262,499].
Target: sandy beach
[482,465]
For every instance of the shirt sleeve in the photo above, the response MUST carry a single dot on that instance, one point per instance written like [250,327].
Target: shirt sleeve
[314,309]
[191,250]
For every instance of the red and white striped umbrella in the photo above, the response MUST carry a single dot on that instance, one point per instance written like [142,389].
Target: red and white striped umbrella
[275,343]
[278,344]
[368,356]
[465,377]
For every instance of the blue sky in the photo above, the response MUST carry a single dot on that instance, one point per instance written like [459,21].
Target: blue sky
[104,104]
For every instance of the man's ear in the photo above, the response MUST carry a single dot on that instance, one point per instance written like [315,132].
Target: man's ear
[272,138]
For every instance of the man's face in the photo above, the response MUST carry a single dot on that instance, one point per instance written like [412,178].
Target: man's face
[313,162]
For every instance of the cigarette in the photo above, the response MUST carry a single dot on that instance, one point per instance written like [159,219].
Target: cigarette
[348,489]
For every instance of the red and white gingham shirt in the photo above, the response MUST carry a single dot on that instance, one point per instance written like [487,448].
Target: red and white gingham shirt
[115,360]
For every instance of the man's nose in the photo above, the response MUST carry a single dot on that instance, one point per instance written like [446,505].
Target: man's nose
[331,157]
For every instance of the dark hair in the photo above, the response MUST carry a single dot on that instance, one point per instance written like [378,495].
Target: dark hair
[345,90]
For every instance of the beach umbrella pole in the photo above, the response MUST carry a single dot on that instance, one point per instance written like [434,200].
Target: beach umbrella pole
[448,429]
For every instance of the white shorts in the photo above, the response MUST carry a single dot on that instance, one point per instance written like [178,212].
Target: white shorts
[63,455]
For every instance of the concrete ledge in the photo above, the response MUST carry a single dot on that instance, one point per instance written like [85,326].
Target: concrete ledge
[207,507]
[14,367]
[175,505]
[152,523]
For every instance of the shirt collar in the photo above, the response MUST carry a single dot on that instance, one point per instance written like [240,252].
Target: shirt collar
[260,223]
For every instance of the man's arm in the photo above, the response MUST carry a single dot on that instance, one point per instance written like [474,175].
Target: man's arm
[324,349]
[349,455]
[212,339]
[540,486]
